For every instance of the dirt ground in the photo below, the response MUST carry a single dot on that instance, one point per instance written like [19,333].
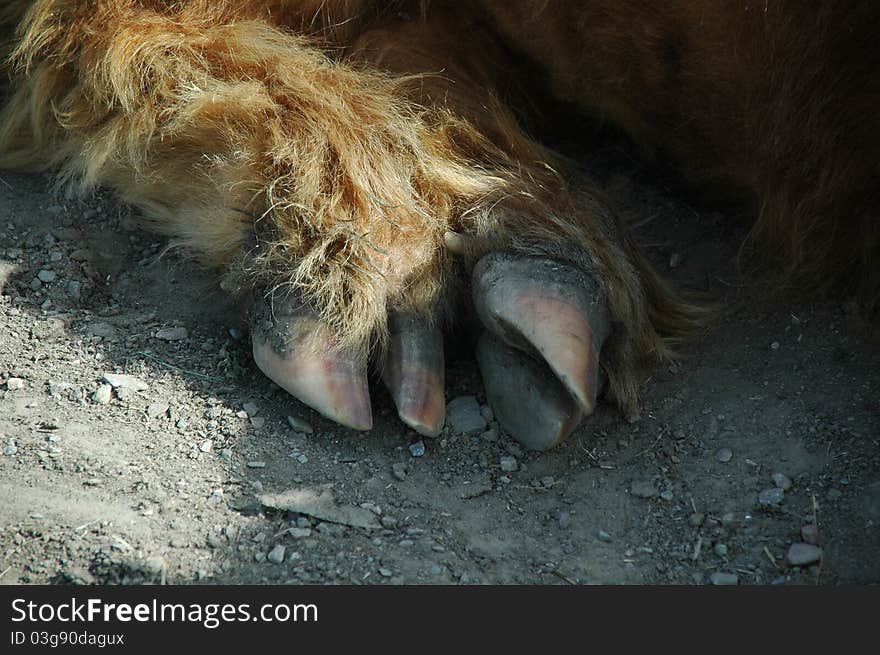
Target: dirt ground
[177,481]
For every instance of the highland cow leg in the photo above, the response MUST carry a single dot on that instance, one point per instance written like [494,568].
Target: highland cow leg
[273,162]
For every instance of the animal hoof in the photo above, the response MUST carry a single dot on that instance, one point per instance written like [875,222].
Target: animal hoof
[414,373]
[300,354]
[553,320]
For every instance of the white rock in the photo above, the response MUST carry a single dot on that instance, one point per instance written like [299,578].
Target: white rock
[172,334]
[103,395]
[123,381]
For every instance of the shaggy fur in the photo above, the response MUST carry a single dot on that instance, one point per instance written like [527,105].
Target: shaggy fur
[329,145]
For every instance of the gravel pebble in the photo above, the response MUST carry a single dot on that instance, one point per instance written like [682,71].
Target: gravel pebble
[604,536]
[564,519]
[299,425]
[781,481]
[256,464]
[206,445]
[417,449]
[385,573]
[810,534]
[398,470]
[172,334]
[276,555]
[803,554]
[103,395]
[490,435]
[155,410]
[771,497]
[46,276]
[724,455]
[644,489]
[721,579]
[300,533]
[721,550]
[464,417]
[251,408]
[10,448]
[509,464]
[122,381]
[13,384]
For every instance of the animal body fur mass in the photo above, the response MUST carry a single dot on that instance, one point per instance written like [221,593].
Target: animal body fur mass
[348,159]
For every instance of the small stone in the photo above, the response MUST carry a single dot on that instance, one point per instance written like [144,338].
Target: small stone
[256,486]
[667,495]
[463,416]
[55,256]
[103,395]
[436,569]
[216,497]
[226,454]
[696,520]
[721,550]
[803,554]
[398,470]
[255,464]
[388,521]
[302,459]
[251,409]
[122,381]
[35,285]
[771,497]
[774,345]
[644,489]
[74,289]
[386,573]
[514,450]
[101,329]
[155,410]
[490,435]
[564,519]
[721,579]
[417,449]
[604,536]
[509,464]
[724,455]
[300,533]
[14,384]
[299,425]
[258,422]
[172,334]
[181,423]
[46,276]
[810,534]
[781,481]
[10,448]
[206,445]
[276,555]
[487,413]
[332,530]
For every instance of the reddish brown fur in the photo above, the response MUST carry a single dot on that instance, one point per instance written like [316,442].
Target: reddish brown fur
[329,145]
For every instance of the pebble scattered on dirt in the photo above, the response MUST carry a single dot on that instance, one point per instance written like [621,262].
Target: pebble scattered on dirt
[139,442]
